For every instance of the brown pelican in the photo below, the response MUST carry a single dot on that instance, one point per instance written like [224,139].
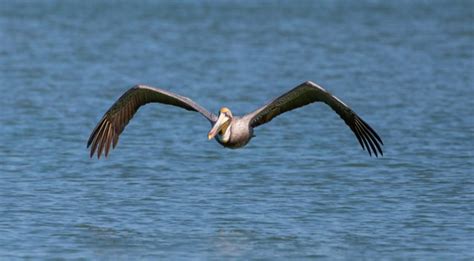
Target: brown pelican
[229,130]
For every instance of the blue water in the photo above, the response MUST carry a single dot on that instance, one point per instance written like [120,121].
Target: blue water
[301,189]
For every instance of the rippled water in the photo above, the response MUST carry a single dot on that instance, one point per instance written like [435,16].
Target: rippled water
[302,188]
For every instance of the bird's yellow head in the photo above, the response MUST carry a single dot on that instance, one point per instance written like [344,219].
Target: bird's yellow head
[224,110]
[222,123]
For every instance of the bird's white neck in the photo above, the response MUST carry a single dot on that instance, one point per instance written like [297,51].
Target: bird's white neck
[224,138]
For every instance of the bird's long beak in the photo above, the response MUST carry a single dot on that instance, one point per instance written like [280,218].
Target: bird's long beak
[220,123]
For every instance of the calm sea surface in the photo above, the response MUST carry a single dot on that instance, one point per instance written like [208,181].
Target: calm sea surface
[302,189]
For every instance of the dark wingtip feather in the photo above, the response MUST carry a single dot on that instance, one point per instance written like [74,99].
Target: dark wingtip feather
[373,136]
[94,132]
[372,131]
[368,138]
[91,137]
[95,137]
[110,137]
[356,133]
[103,138]
[364,139]
[369,134]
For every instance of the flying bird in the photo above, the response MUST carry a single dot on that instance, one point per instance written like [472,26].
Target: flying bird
[229,130]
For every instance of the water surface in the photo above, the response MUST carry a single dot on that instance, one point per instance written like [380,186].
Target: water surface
[302,188]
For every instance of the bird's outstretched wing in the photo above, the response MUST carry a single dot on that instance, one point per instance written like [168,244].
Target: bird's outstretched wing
[113,122]
[309,92]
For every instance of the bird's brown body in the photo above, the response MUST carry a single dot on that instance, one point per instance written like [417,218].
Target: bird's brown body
[240,133]
[230,131]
